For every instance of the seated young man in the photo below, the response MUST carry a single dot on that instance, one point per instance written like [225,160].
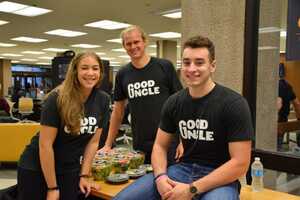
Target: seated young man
[214,124]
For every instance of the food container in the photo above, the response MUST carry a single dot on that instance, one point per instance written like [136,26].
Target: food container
[120,165]
[136,160]
[100,170]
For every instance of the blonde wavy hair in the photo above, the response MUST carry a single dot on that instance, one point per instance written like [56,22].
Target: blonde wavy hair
[70,100]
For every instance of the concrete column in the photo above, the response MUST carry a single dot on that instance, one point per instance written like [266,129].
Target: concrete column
[267,76]
[167,49]
[5,76]
[223,22]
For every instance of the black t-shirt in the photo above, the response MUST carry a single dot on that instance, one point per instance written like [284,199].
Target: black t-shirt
[287,95]
[67,147]
[206,125]
[146,90]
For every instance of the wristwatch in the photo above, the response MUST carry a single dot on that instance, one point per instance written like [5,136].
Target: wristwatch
[193,189]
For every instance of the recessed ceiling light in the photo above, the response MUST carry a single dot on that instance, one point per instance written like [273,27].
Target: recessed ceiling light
[33,52]
[152,54]
[124,56]
[31,11]
[7,45]
[100,53]
[28,59]
[117,40]
[107,58]
[21,9]
[174,15]
[2,22]
[45,57]
[11,54]
[119,50]
[9,7]
[85,46]
[43,63]
[65,33]
[55,49]
[29,39]
[107,24]
[1,57]
[166,35]
[14,61]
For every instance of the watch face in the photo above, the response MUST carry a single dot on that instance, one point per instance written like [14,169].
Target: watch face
[193,189]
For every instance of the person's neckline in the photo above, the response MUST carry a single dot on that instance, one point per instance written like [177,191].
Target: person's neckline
[142,63]
[202,95]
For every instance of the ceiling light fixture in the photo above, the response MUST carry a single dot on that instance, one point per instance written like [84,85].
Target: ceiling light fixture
[174,14]
[7,45]
[14,61]
[119,50]
[43,63]
[29,39]
[107,24]
[85,46]
[65,33]
[117,40]
[11,55]
[2,22]
[166,35]
[28,59]
[33,52]
[22,9]
[55,49]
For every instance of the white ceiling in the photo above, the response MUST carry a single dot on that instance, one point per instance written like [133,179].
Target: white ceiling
[73,14]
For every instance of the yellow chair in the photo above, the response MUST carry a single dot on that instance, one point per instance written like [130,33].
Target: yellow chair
[13,139]
[25,107]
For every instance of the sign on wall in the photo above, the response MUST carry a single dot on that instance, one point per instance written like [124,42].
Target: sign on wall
[293,31]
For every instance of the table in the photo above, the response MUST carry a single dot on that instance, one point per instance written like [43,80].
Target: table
[108,191]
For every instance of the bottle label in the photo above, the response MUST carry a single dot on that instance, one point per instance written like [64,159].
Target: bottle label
[257,173]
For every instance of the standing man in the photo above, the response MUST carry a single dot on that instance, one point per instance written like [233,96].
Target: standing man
[214,124]
[286,97]
[146,83]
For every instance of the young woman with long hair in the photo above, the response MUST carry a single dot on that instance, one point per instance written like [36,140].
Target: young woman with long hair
[72,119]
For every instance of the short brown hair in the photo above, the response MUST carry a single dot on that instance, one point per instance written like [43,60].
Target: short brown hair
[131,28]
[201,42]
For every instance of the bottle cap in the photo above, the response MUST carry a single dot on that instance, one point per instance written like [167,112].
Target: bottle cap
[257,159]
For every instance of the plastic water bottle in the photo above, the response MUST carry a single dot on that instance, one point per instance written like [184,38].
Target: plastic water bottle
[257,173]
[243,180]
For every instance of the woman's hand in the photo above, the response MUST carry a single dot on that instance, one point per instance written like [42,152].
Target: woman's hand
[85,185]
[53,195]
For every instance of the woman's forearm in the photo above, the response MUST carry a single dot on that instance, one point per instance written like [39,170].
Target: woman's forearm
[47,163]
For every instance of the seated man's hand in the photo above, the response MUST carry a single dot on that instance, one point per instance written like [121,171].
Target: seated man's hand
[180,191]
[163,185]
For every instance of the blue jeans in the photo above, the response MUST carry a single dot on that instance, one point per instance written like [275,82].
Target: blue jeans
[145,187]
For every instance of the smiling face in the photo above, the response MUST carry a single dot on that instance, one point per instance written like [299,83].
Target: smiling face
[196,67]
[88,73]
[134,44]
